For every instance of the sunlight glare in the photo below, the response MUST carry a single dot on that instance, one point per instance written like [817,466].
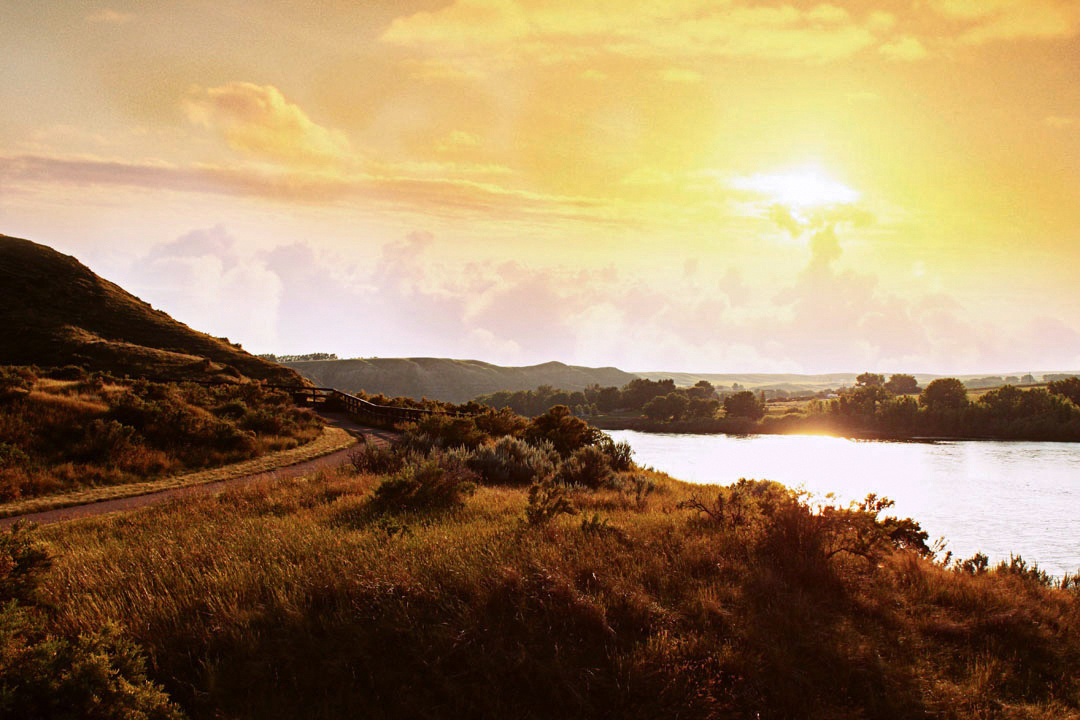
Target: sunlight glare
[800,188]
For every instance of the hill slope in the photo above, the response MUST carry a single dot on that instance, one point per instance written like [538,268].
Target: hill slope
[55,311]
[450,380]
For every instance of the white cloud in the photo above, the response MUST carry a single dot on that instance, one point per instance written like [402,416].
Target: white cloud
[257,119]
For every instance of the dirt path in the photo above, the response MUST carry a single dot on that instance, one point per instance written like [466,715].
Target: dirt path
[307,467]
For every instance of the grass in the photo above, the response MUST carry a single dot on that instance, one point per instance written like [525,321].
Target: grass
[88,436]
[295,598]
[330,440]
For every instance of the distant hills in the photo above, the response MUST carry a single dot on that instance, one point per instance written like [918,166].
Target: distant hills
[463,380]
[450,380]
[54,311]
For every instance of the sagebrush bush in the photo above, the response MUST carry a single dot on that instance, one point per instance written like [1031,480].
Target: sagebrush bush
[427,486]
[512,461]
[369,457]
[620,454]
[547,501]
[587,467]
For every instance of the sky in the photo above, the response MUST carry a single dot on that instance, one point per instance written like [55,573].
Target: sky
[709,186]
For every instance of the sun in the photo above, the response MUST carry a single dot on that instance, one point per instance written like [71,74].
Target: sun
[799,188]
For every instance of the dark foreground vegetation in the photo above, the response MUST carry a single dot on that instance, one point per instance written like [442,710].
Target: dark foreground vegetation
[498,567]
[68,429]
[874,407]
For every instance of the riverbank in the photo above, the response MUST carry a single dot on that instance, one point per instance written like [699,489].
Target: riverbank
[999,498]
[792,425]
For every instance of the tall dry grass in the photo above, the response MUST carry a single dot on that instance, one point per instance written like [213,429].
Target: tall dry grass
[304,598]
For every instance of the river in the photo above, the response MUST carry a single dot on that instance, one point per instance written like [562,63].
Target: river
[999,498]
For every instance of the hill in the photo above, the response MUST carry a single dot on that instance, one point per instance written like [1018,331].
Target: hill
[55,311]
[450,380]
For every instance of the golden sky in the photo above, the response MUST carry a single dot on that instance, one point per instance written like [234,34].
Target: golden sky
[683,185]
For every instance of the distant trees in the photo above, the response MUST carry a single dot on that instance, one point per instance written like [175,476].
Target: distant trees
[944,394]
[666,407]
[902,385]
[868,379]
[703,389]
[744,404]
[699,401]
[1068,387]
[296,358]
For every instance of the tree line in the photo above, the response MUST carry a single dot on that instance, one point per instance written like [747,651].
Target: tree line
[894,407]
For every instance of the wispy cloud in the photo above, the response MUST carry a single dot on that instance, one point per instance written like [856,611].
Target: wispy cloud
[259,120]
[698,28]
[110,17]
[906,48]
[434,195]
[990,20]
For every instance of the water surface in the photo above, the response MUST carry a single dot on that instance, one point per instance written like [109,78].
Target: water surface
[992,497]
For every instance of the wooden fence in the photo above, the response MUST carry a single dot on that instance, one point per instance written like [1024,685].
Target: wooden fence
[334,399]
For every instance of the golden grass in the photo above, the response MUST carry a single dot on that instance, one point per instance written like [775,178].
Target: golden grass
[330,440]
[288,598]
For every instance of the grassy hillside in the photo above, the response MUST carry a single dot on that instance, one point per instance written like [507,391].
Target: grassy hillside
[56,312]
[448,380]
[431,582]
[59,434]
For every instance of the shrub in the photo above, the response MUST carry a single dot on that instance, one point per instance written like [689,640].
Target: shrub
[368,457]
[587,467]
[512,461]
[425,487]
[44,676]
[68,372]
[566,432]
[12,456]
[620,454]
[547,501]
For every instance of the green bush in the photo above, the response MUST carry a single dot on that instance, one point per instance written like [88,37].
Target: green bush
[547,501]
[563,430]
[368,457]
[511,461]
[428,486]
[620,454]
[587,467]
[99,675]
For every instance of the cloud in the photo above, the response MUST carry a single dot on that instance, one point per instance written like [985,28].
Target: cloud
[199,279]
[110,17]
[991,20]
[569,31]
[438,196]
[906,48]
[257,119]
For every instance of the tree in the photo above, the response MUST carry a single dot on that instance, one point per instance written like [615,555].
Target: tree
[641,390]
[944,394]
[566,432]
[1069,387]
[666,407]
[870,379]
[703,407]
[744,404]
[702,389]
[902,385]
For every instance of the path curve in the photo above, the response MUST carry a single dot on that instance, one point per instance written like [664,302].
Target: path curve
[306,467]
